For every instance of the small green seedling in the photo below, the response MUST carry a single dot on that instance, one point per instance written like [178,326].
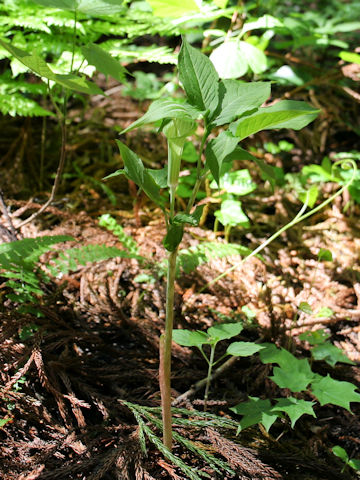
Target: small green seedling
[212,337]
[340,452]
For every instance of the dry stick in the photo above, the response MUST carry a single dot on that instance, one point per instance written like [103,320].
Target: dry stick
[57,176]
[7,216]
[201,383]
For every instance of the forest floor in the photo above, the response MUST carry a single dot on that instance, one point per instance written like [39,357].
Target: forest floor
[96,343]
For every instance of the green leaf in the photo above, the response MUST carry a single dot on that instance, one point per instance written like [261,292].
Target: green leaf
[255,411]
[305,307]
[284,114]
[237,183]
[41,68]
[341,453]
[330,354]
[237,98]
[295,376]
[181,218]
[159,176]
[224,331]
[354,463]
[350,57]
[164,108]
[327,390]
[243,349]
[104,62]
[188,338]
[272,354]
[227,60]
[173,237]
[255,58]
[4,421]
[217,150]
[310,196]
[325,255]
[315,338]
[232,214]
[90,7]
[294,408]
[173,8]
[135,171]
[324,312]
[199,78]
[233,58]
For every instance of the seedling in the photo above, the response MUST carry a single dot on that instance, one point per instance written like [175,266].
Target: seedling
[340,452]
[212,337]
[214,103]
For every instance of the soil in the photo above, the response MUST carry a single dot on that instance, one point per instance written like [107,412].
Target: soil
[95,344]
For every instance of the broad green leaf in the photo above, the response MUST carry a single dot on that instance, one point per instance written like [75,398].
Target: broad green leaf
[159,176]
[255,411]
[295,376]
[164,108]
[232,214]
[90,7]
[272,354]
[294,408]
[237,183]
[315,338]
[173,237]
[325,255]
[104,62]
[173,8]
[324,312]
[351,57]
[199,78]
[327,390]
[188,338]
[233,58]
[41,68]
[305,307]
[227,60]
[284,114]
[243,349]
[341,453]
[255,58]
[354,463]
[135,171]
[237,98]
[330,354]
[217,150]
[224,331]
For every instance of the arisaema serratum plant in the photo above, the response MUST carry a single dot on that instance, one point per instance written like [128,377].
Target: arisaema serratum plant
[236,108]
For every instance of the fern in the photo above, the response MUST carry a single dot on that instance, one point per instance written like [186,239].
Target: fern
[108,222]
[71,259]
[18,261]
[190,258]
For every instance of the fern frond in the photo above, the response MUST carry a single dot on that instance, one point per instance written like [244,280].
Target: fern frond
[191,258]
[26,252]
[71,259]
[108,222]
[16,104]
[18,260]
